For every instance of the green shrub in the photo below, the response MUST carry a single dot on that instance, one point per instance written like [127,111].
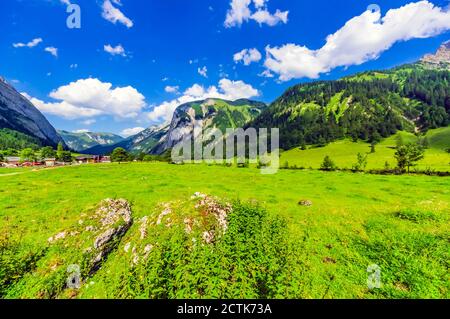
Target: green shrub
[328,164]
[416,215]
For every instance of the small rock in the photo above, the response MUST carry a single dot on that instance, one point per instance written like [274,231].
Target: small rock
[306,203]
[188,225]
[90,228]
[164,213]
[57,237]
[208,236]
[329,260]
[143,227]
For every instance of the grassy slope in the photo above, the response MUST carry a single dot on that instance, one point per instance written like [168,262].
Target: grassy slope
[344,152]
[353,220]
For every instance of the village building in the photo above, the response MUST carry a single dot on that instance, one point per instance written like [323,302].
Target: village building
[12,160]
[92,159]
[105,159]
[50,162]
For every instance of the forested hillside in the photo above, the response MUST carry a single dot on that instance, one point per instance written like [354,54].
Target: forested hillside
[367,106]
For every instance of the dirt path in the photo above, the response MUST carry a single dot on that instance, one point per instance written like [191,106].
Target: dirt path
[30,171]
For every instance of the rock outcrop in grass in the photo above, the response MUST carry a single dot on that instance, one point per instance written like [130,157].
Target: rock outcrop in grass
[76,253]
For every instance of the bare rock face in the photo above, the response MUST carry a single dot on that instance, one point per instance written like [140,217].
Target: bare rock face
[115,219]
[442,55]
[106,227]
[19,114]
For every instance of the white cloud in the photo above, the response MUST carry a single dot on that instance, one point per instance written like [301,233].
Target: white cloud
[172,89]
[247,56]
[84,130]
[131,131]
[88,122]
[203,71]
[52,50]
[241,12]
[117,50]
[30,44]
[227,90]
[63,109]
[90,97]
[73,66]
[114,15]
[265,17]
[266,74]
[361,39]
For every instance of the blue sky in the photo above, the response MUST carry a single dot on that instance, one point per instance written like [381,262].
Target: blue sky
[128,68]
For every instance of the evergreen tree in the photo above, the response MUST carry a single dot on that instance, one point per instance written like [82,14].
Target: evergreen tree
[408,155]
[328,164]
[59,151]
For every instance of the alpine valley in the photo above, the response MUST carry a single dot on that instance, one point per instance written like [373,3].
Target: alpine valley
[368,106]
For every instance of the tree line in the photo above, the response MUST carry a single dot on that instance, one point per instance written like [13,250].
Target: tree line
[408,98]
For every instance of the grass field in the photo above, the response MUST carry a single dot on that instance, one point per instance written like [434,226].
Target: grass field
[400,223]
[344,152]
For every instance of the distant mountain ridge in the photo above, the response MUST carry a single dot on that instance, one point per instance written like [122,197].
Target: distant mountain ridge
[441,57]
[19,114]
[207,113]
[85,140]
[143,142]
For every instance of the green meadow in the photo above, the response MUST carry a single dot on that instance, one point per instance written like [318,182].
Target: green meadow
[344,152]
[399,223]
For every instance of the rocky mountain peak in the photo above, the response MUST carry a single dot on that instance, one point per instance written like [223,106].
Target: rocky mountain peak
[442,56]
[19,114]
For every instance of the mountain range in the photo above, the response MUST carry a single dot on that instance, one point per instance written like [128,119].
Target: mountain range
[209,113]
[80,141]
[365,106]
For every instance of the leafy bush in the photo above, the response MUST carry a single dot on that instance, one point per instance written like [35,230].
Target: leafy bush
[328,164]
[15,261]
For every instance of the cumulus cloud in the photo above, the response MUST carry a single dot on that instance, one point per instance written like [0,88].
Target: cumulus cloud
[30,44]
[240,11]
[52,50]
[203,71]
[361,39]
[247,56]
[226,89]
[114,15]
[131,131]
[63,109]
[265,17]
[91,97]
[117,50]
[83,130]
[172,89]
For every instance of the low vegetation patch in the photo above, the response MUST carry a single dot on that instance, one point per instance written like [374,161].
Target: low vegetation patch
[417,215]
